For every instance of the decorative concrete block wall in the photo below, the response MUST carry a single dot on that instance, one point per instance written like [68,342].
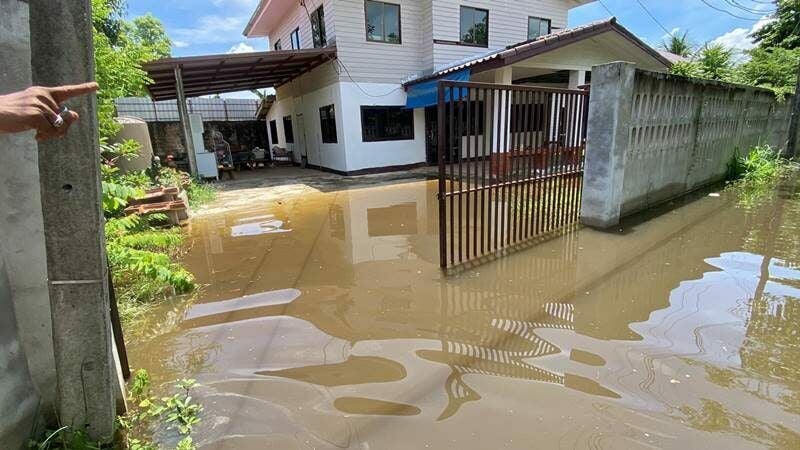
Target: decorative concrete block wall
[661,136]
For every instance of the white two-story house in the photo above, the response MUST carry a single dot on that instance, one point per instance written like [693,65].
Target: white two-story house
[371,107]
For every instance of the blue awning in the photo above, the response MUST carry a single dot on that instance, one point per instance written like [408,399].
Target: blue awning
[427,93]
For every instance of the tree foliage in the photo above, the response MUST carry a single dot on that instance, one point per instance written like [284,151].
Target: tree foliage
[715,62]
[120,49]
[678,44]
[784,30]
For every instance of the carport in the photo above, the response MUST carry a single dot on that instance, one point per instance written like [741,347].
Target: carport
[194,76]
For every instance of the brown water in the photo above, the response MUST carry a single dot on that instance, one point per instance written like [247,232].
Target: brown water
[326,323]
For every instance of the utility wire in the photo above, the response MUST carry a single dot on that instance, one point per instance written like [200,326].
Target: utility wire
[606,7]
[653,17]
[723,10]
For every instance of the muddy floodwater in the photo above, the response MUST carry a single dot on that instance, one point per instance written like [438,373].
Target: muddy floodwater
[325,322]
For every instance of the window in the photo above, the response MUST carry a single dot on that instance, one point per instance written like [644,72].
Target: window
[538,27]
[383,22]
[278,45]
[327,122]
[386,123]
[318,28]
[273,132]
[287,129]
[295,38]
[474,26]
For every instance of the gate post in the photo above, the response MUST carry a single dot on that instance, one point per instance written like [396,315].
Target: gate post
[607,143]
[62,53]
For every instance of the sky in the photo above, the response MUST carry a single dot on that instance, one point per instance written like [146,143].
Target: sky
[199,27]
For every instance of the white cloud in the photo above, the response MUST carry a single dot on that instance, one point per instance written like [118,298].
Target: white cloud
[739,38]
[241,47]
[180,44]
[212,29]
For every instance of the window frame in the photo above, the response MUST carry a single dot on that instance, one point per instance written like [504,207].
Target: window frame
[288,129]
[295,34]
[277,46]
[365,138]
[461,40]
[540,19]
[329,110]
[383,15]
[273,131]
[319,15]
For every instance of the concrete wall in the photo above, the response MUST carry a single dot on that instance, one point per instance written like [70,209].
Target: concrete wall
[652,137]
[25,324]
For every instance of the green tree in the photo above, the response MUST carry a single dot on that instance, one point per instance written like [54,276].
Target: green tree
[784,30]
[686,69]
[120,48]
[772,68]
[715,62]
[678,44]
[148,32]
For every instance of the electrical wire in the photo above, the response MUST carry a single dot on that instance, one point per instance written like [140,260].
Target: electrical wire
[606,8]
[653,17]
[723,10]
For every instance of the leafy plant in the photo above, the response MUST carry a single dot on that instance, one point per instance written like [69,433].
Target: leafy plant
[678,44]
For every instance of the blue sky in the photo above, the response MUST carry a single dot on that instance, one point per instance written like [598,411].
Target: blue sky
[215,26]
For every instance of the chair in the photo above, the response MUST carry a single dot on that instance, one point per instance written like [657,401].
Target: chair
[282,156]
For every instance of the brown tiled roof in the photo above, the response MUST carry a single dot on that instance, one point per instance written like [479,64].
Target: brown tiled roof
[540,45]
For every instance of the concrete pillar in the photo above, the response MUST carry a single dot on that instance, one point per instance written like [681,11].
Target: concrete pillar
[22,238]
[576,78]
[607,143]
[183,117]
[62,53]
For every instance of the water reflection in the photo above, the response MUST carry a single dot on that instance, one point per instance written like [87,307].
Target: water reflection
[677,331]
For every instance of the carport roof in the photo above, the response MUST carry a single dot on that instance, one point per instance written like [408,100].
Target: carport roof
[217,74]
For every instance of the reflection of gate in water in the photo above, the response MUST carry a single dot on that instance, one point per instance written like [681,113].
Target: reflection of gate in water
[510,165]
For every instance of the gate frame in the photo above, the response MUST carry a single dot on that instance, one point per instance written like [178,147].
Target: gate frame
[442,85]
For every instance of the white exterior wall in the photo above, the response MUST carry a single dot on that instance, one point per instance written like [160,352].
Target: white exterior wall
[280,109]
[508,24]
[380,62]
[298,18]
[363,155]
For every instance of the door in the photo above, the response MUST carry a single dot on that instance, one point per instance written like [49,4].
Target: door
[431,139]
[300,138]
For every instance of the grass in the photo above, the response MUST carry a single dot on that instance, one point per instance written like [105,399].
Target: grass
[200,193]
[753,176]
[176,412]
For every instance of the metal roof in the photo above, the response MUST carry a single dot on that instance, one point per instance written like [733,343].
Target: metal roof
[217,74]
[527,49]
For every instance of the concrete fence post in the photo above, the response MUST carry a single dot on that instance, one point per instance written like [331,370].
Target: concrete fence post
[607,143]
[62,53]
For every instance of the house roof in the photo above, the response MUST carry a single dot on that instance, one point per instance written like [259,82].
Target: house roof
[543,44]
[217,74]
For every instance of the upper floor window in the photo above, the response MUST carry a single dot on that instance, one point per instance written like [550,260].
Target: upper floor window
[278,45]
[383,22]
[538,27]
[318,28]
[386,123]
[295,38]
[327,122]
[474,26]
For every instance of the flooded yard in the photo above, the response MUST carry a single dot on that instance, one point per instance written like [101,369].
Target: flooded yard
[325,322]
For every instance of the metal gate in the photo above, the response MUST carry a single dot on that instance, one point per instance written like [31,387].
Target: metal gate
[510,165]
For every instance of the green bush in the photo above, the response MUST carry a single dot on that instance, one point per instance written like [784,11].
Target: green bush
[762,164]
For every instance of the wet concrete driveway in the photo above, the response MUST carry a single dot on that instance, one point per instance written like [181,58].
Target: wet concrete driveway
[326,323]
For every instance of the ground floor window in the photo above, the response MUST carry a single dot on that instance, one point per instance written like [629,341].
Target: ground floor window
[386,123]
[327,122]
[273,132]
[288,131]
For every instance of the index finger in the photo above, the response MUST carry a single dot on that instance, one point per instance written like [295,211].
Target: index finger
[62,93]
